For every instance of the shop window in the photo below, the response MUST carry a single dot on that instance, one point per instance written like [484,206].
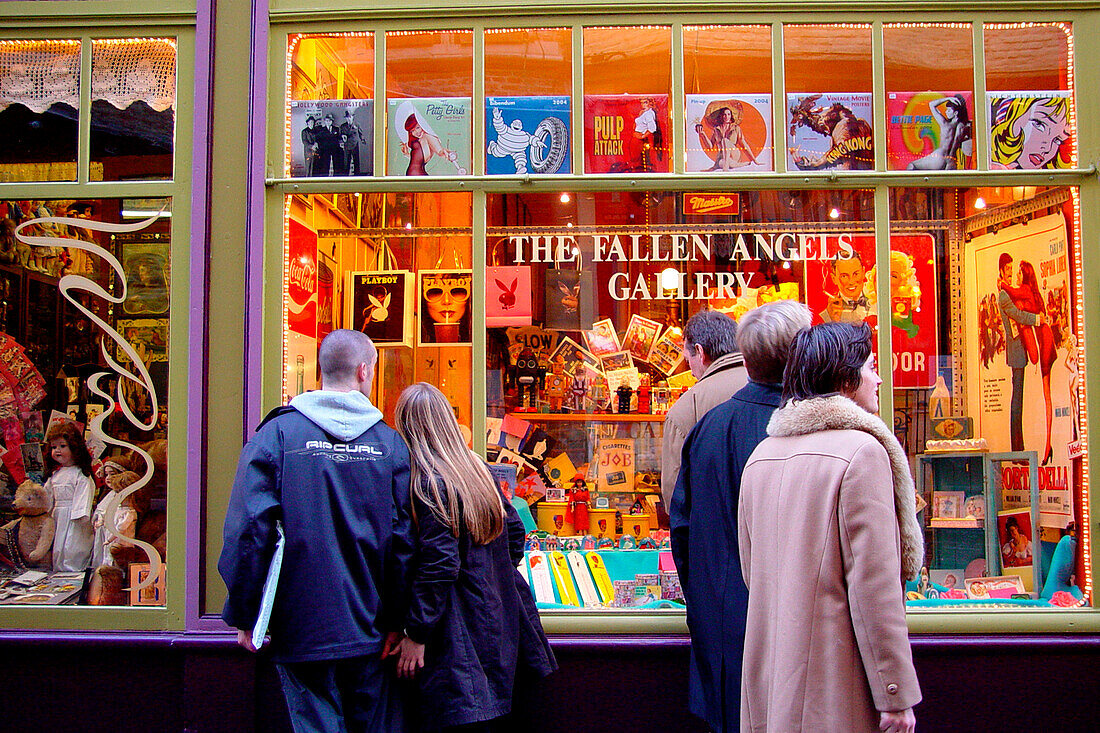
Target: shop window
[929,69]
[330,93]
[728,117]
[988,373]
[429,88]
[1029,82]
[829,102]
[133,113]
[586,297]
[627,114]
[395,266]
[528,88]
[83,399]
[39,100]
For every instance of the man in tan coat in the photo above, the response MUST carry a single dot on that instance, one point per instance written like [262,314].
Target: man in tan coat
[710,348]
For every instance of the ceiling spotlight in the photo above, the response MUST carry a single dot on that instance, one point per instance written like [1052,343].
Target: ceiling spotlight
[834,213]
[566,198]
[669,278]
[408,225]
[979,203]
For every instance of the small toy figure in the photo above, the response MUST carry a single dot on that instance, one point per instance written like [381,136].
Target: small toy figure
[556,385]
[27,539]
[579,388]
[638,507]
[578,503]
[529,377]
[624,394]
[643,395]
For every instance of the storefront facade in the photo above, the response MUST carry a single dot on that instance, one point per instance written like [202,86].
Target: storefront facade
[523,206]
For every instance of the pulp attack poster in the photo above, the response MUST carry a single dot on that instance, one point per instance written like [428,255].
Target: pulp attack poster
[830,131]
[727,132]
[429,137]
[930,131]
[301,316]
[332,138]
[627,133]
[1030,130]
[1021,353]
[527,135]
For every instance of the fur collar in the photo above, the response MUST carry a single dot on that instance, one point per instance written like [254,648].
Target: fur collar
[837,412]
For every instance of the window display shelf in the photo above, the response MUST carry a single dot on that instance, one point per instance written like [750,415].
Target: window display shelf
[585,417]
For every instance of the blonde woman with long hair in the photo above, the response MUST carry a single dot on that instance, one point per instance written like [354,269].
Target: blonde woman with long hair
[472,629]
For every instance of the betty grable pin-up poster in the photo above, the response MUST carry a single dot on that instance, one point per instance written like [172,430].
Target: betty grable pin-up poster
[728,132]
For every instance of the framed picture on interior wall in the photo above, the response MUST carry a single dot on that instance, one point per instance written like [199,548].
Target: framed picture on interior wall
[380,305]
[148,336]
[445,307]
[147,269]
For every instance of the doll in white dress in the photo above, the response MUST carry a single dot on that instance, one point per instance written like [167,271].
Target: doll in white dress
[69,478]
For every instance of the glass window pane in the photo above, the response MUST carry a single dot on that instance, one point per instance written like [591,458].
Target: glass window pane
[57,386]
[929,96]
[429,84]
[728,117]
[626,113]
[331,112]
[829,107]
[39,99]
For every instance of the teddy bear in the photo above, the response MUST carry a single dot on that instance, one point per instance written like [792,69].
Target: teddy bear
[26,542]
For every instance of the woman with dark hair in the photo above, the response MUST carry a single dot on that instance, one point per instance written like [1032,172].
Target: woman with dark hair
[1038,340]
[955,131]
[828,533]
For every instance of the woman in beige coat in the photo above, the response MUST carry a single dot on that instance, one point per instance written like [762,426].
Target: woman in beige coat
[828,532]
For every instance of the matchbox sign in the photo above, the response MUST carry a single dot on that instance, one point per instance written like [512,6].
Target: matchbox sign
[700,204]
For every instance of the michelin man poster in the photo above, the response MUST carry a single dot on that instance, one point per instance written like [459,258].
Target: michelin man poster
[527,135]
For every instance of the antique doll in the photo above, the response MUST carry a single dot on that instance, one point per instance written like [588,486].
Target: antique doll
[69,479]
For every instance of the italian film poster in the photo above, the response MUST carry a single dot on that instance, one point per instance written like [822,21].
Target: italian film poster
[429,137]
[930,131]
[527,135]
[727,132]
[830,132]
[331,138]
[1024,394]
[1030,130]
[380,305]
[627,133]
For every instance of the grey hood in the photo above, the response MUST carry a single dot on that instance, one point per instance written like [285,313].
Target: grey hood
[343,415]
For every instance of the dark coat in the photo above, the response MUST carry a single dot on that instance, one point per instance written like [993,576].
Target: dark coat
[349,537]
[703,518]
[476,616]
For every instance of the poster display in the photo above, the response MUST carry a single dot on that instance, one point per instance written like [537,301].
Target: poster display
[627,133]
[527,135]
[429,137]
[445,306]
[301,276]
[1021,370]
[1030,130]
[913,310]
[727,132]
[830,132]
[380,305]
[930,131]
[332,137]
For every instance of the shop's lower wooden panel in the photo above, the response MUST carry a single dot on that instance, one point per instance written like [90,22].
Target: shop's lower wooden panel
[192,683]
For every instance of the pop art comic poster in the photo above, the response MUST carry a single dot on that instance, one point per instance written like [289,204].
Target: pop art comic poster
[527,135]
[301,278]
[380,305]
[508,296]
[331,138]
[930,131]
[429,137]
[830,132]
[1022,376]
[627,133]
[1030,130]
[728,132]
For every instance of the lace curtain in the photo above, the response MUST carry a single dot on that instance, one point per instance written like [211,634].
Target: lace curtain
[38,74]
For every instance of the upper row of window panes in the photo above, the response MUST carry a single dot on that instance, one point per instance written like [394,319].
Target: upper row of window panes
[728,112]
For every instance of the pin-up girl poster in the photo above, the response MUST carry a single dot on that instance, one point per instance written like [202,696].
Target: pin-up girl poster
[1030,130]
[445,306]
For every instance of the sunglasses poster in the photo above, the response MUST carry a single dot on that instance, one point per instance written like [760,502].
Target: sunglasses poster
[445,306]
[380,305]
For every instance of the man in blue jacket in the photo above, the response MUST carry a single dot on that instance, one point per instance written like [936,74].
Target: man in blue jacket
[703,512]
[337,478]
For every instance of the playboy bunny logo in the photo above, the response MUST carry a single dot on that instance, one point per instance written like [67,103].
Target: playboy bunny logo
[570,299]
[507,294]
[380,309]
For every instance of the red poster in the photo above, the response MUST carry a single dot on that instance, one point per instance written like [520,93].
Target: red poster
[627,133]
[324,301]
[301,269]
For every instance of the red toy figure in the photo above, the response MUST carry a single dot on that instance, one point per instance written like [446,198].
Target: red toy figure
[643,395]
[578,502]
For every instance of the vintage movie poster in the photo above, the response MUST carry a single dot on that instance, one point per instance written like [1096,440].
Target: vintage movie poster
[1030,130]
[668,351]
[301,278]
[445,306]
[573,357]
[527,135]
[616,360]
[332,137]
[508,296]
[830,132]
[728,132]
[913,310]
[627,133]
[930,131]
[840,281]
[429,137]
[602,338]
[380,305]
[1022,372]
[568,298]
[641,334]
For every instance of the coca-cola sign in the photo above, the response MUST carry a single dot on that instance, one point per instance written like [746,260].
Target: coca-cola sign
[301,280]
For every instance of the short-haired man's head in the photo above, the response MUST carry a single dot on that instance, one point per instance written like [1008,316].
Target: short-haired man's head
[341,353]
[714,331]
[765,335]
[827,359]
[1003,260]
